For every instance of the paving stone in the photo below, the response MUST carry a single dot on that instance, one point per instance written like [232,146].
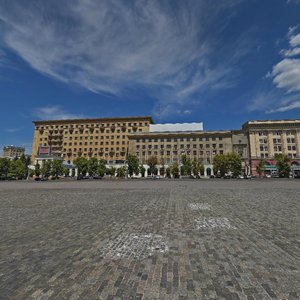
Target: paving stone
[142,239]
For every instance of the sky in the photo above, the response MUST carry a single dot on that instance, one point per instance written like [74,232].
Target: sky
[220,62]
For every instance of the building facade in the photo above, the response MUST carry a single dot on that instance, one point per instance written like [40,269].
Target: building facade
[105,138]
[203,146]
[270,137]
[113,138]
[13,151]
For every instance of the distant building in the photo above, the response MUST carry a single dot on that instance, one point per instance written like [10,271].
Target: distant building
[270,137]
[112,139]
[13,151]
[103,138]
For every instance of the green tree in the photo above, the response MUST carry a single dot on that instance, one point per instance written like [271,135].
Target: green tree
[66,172]
[168,172]
[26,161]
[37,170]
[101,169]
[260,168]
[57,168]
[175,170]
[31,173]
[17,169]
[121,172]
[186,165]
[81,164]
[220,163]
[234,163]
[152,162]
[283,165]
[4,166]
[46,169]
[142,170]
[162,171]
[197,168]
[92,166]
[133,164]
[111,171]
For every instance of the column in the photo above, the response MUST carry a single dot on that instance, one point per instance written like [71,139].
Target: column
[270,144]
[297,139]
[284,143]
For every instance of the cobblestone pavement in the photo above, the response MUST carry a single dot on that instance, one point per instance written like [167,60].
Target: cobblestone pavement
[151,239]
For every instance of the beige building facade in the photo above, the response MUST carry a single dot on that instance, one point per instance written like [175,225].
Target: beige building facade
[105,138]
[13,151]
[270,137]
[113,138]
[169,147]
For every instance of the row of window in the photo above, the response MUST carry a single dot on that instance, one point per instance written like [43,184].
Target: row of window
[91,125]
[168,153]
[94,143]
[278,141]
[277,148]
[96,155]
[96,131]
[179,139]
[95,149]
[182,146]
[112,137]
[266,155]
[265,133]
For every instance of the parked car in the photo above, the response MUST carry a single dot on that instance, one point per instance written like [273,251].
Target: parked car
[267,176]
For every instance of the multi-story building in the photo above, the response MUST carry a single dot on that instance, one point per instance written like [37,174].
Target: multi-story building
[105,138]
[112,138]
[13,151]
[169,143]
[270,137]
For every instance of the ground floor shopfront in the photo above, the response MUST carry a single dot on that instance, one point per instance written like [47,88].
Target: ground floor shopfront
[270,167]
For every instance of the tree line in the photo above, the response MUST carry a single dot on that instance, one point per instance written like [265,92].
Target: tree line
[14,169]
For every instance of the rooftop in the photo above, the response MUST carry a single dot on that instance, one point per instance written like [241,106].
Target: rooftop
[91,120]
[176,127]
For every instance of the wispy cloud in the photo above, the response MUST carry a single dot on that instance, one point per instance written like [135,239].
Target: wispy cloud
[285,76]
[55,112]
[286,73]
[108,46]
[293,1]
[284,108]
[12,130]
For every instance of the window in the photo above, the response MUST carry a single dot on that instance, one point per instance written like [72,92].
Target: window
[277,148]
[277,141]
[290,140]
[263,141]
[263,148]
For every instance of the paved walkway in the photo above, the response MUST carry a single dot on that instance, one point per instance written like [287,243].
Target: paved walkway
[207,239]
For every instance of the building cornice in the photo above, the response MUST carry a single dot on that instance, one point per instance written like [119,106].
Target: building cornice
[179,134]
[94,120]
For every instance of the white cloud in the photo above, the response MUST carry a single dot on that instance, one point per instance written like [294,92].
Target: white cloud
[286,77]
[287,74]
[54,113]
[108,46]
[288,107]
[12,130]
[293,1]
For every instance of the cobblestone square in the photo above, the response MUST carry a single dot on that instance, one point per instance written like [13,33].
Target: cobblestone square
[150,239]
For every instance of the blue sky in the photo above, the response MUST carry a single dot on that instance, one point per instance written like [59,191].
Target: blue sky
[222,62]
